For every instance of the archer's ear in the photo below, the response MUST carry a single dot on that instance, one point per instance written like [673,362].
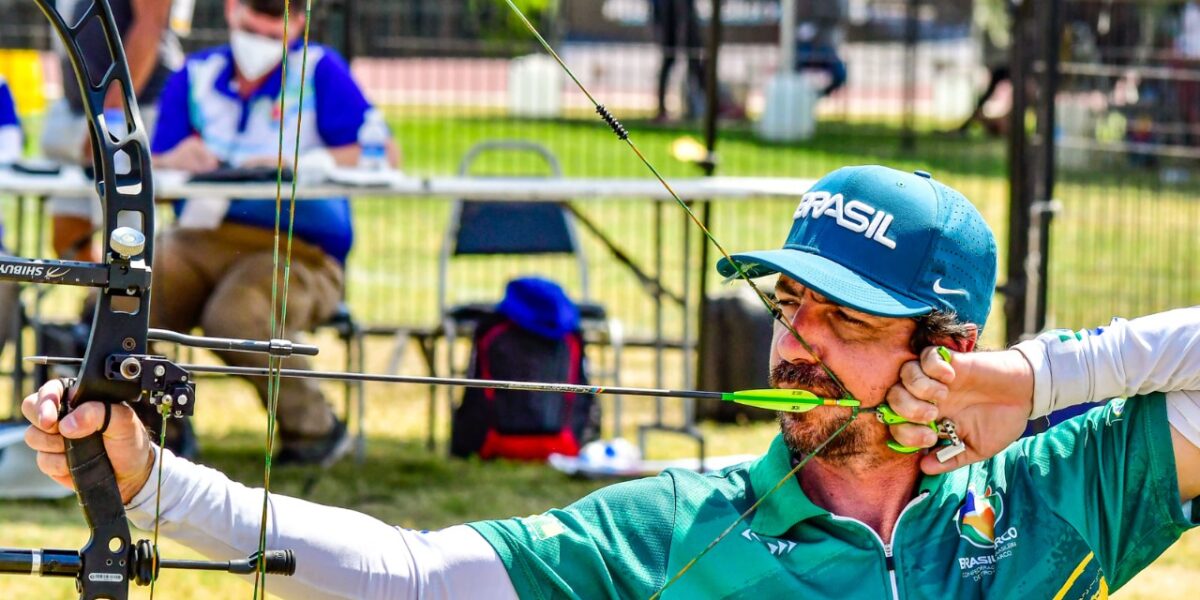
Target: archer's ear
[966,344]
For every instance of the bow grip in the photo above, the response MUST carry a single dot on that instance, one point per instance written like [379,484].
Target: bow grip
[105,557]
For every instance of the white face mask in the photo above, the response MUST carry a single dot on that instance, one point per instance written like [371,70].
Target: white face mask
[255,55]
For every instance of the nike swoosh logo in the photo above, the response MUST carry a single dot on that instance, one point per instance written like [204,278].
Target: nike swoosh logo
[938,289]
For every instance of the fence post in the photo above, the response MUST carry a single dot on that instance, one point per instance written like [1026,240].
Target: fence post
[1044,205]
[1034,56]
[349,29]
[787,36]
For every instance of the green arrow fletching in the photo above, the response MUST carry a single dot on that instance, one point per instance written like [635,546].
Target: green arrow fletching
[795,401]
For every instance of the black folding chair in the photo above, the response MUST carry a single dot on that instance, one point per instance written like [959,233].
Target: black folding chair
[517,229]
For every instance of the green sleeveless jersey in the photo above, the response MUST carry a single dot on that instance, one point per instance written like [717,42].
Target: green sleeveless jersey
[1071,514]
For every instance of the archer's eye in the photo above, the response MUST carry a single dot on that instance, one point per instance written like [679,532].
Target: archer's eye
[845,318]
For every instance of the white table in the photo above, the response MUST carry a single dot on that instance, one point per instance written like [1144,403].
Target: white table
[354,183]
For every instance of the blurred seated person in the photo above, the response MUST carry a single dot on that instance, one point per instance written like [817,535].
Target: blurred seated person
[214,268]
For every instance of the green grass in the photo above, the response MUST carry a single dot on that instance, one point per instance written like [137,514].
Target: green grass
[1123,245]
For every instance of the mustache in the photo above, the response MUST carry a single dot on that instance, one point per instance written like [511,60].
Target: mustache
[808,376]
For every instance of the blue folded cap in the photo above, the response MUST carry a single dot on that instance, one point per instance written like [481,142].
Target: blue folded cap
[540,306]
[888,243]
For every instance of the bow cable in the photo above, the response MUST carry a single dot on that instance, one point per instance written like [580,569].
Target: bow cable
[165,411]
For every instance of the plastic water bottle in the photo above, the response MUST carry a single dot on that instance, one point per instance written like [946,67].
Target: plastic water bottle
[373,137]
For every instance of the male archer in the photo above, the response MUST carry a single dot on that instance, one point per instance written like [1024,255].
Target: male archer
[879,268]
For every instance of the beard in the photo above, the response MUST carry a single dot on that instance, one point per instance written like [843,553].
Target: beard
[805,432]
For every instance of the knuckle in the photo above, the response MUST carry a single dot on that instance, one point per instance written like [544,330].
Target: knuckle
[912,435]
[894,395]
[34,438]
[924,388]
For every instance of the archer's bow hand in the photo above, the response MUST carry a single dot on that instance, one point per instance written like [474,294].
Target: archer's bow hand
[988,396]
[125,439]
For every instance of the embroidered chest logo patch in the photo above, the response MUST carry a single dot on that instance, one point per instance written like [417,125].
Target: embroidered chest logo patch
[978,522]
[978,516]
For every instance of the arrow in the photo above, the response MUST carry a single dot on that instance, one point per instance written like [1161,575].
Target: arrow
[795,401]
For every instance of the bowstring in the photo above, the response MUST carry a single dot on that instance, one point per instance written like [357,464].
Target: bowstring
[278,321]
[770,304]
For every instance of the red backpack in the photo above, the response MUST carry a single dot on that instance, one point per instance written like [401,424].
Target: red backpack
[520,424]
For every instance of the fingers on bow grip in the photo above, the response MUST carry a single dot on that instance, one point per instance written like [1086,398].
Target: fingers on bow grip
[64,404]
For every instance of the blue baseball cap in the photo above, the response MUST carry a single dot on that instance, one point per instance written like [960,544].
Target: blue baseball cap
[888,243]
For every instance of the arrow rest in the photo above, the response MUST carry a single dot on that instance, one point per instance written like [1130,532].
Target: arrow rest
[161,381]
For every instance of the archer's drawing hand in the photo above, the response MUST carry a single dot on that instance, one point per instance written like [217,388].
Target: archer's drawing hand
[988,396]
[126,440]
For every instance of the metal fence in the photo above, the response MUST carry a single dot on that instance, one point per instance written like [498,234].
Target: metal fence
[913,73]
[452,74]
[1110,171]
[1118,106]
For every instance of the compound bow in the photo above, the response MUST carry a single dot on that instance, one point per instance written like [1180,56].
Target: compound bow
[117,366]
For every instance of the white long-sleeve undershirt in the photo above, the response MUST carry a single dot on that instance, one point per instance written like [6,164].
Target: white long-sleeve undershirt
[340,553]
[1155,353]
[344,554]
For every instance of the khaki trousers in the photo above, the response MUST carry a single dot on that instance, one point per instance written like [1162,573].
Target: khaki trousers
[220,280]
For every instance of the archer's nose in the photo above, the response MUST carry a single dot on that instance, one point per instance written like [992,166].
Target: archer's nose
[806,321]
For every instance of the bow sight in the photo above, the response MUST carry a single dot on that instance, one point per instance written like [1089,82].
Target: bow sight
[116,366]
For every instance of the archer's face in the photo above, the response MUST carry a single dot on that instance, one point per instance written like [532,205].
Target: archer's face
[863,350]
